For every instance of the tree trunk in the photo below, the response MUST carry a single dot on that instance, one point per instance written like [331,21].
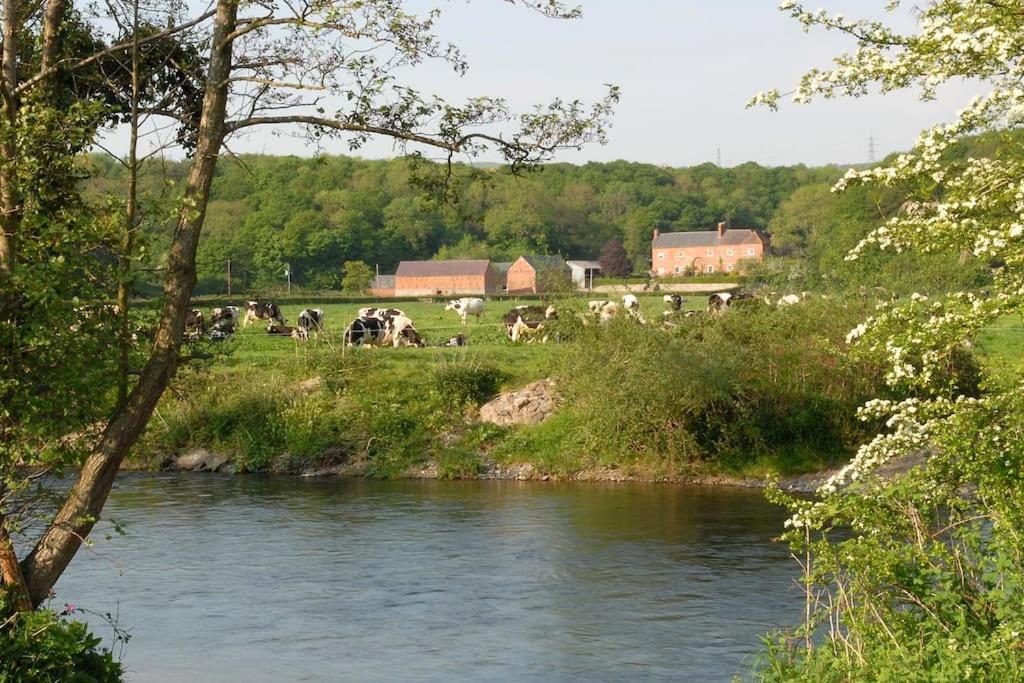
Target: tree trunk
[85,501]
[52,18]
[9,209]
[10,573]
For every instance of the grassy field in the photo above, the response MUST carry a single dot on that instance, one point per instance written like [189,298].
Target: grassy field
[253,348]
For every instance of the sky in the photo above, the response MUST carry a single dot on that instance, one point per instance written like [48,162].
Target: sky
[685,68]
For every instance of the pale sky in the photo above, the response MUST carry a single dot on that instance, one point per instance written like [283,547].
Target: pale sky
[686,69]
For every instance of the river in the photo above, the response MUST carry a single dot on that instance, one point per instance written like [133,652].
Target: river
[246,578]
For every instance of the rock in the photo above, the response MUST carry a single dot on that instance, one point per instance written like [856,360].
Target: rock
[532,404]
[200,460]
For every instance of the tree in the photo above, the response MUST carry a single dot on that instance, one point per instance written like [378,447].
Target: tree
[277,64]
[920,575]
[356,277]
[614,261]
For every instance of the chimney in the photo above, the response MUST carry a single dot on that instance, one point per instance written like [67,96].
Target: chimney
[656,233]
[721,228]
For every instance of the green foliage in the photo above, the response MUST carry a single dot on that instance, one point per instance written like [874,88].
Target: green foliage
[466,383]
[42,646]
[356,277]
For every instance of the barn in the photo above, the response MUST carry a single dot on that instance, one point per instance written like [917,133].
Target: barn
[584,272]
[445,278]
[537,274]
[383,286]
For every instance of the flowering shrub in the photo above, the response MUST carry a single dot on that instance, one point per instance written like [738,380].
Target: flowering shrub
[919,574]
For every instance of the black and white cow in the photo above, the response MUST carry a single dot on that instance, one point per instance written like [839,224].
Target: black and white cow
[262,310]
[373,312]
[522,320]
[195,325]
[225,313]
[466,306]
[400,331]
[674,301]
[312,320]
[279,330]
[365,331]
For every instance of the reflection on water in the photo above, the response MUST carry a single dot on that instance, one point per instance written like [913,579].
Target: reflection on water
[225,578]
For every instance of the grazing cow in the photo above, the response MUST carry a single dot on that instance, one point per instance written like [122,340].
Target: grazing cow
[262,310]
[311,320]
[365,331]
[399,331]
[195,326]
[529,315]
[598,305]
[525,329]
[466,306]
[674,301]
[630,302]
[381,313]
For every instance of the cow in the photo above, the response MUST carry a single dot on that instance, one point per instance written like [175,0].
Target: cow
[400,331]
[262,310]
[373,312]
[521,329]
[630,302]
[528,315]
[718,302]
[195,325]
[457,340]
[222,313]
[365,331]
[278,330]
[466,306]
[311,320]
[674,301]
[789,300]
[604,310]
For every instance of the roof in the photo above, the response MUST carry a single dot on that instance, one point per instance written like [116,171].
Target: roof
[705,238]
[441,268]
[544,262]
[501,267]
[585,265]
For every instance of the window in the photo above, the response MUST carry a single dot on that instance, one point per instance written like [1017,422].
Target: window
[728,252]
[710,269]
[680,254]
[750,251]
[728,268]
[711,252]
[661,256]
[679,269]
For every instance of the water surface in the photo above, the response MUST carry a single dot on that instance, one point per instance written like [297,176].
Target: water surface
[224,578]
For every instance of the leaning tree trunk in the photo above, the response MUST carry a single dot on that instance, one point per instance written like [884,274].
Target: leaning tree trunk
[84,503]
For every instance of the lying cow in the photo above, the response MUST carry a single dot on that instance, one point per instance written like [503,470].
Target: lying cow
[279,330]
[466,306]
[311,320]
[373,312]
[718,302]
[223,321]
[457,340]
[262,310]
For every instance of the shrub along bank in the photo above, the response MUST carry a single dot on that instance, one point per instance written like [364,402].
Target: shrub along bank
[755,391]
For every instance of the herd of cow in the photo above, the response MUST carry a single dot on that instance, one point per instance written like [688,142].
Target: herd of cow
[375,326]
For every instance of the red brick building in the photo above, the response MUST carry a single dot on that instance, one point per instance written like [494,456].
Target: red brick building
[537,274]
[445,278]
[706,251]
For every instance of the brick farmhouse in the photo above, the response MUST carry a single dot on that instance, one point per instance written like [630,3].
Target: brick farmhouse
[706,251]
[536,274]
[445,278]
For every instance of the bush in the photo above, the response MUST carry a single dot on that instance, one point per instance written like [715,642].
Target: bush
[44,646]
[463,384]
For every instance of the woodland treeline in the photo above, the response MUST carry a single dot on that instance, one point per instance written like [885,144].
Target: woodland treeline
[312,215]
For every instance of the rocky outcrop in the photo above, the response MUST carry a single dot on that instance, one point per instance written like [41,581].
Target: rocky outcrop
[200,460]
[530,405]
